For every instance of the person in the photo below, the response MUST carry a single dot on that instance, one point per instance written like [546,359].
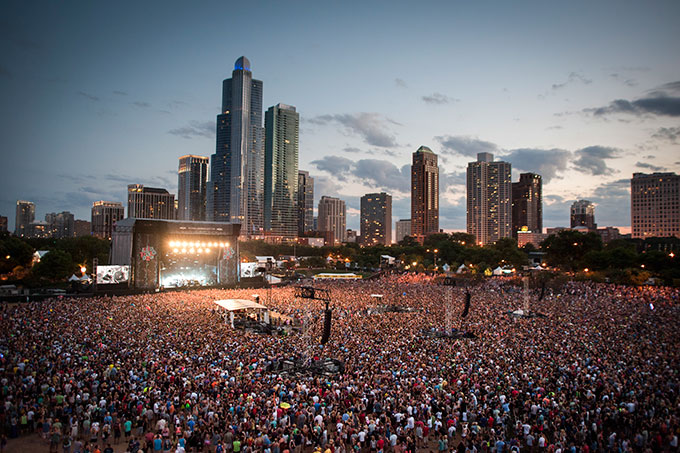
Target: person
[66,444]
[166,360]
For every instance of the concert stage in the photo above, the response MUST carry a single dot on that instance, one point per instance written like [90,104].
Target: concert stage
[176,254]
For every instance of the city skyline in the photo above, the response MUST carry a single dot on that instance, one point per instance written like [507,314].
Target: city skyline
[584,110]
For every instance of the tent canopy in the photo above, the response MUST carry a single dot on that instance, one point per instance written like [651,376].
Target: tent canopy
[239,304]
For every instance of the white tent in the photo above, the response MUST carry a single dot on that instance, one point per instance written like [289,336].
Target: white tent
[339,276]
[498,271]
[239,304]
[462,268]
[387,258]
[73,278]
[272,280]
[234,305]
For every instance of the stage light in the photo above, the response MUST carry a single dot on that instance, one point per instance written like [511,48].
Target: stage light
[175,250]
[207,250]
[191,250]
[83,269]
[200,250]
[172,243]
[184,244]
[184,250]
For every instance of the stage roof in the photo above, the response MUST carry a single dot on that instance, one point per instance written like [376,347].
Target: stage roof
[239,304]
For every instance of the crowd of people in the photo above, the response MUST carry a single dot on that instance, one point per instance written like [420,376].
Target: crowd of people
[165,372]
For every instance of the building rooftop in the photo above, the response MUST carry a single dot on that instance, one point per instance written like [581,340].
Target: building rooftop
[424,149]
[242,64]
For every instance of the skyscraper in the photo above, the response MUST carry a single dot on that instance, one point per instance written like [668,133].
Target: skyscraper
[489,199]
[25,215]
[655,205]
[150,203]
[403,227]
[583,215]
[192,178]
[527,204]
[60,225]
[424,193]
[376,219]
[104,216]
[282,133]
[305,203]
[236,188]
[332,218]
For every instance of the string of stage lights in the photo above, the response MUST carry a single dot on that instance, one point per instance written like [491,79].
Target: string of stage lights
[184,247]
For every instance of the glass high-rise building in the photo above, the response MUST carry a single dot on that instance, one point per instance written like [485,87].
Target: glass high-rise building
[582,214]
[236,188]
[655,205]
[282,137]
[333,218]
[192,177]
[403,229]
[61,225]
[527,204]
[305,203]
[424,193]
[489,199]
[104,216]
[25,215]
[376,219]
[150,203]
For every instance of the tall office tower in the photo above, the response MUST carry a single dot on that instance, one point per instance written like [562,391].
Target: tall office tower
[60,225]
[403,229]
[282,138]
[51,221]
[305,203]
[583,215]
[104,216]
[3,224]
[527,204]
[655,205]
[82,228]
[236,188]
[376,219]
[192,177]
[489,199]
[332,218]
[424,193]
[150,203]
[25,215]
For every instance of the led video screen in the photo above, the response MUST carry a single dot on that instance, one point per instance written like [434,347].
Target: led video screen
[108,275]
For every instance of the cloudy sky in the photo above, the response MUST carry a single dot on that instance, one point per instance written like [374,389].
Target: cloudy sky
[96,95]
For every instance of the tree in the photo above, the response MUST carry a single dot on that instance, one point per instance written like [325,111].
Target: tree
[568,248]
[408,241]
[463,239]
[14,252]
[55,265]
[509,253]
